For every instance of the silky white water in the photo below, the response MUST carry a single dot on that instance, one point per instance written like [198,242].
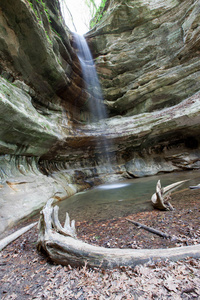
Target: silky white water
[91,80]
[97,108]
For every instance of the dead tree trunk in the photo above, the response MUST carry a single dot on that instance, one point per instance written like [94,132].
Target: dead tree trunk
[160,197]
[62,246]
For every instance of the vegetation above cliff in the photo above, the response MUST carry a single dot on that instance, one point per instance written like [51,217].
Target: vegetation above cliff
[100,11]
[81,16]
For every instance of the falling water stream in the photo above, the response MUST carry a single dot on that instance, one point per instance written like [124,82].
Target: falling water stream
[96,105]
[95,97]
[120,198]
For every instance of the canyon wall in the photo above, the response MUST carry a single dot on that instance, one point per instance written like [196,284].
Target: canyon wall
[147,57]
[41,103]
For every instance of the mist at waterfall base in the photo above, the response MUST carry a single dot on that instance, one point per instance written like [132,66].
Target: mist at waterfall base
[121,199]
[96,107]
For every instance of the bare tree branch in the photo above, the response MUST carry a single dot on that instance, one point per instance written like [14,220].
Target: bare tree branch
[63,4]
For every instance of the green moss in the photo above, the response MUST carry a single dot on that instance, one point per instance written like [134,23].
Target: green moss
[59,62]
[35,11]
[48,38]
[99,14]
[56,33]
[45,9]
[40,2]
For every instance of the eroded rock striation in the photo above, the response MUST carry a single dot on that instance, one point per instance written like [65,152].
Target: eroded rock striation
[40,97]
[147,54]
[147,57]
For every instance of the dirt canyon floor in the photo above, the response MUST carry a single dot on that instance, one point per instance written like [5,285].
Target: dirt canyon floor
[27,274]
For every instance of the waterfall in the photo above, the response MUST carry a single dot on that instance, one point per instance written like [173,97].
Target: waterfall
[96,105]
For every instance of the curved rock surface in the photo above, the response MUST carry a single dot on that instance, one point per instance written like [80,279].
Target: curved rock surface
[147,56]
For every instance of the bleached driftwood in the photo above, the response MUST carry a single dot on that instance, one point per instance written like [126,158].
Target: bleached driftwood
[9,239]
[160,197]
[194,187]
[64,248]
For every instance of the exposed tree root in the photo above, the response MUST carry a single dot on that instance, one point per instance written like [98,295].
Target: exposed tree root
[160,198]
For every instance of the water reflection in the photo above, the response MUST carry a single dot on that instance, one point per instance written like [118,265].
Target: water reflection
[112,186]
[120,198]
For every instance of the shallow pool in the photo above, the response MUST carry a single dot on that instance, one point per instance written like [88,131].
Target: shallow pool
[122,198]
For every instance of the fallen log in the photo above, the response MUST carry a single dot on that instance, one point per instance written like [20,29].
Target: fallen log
[66,249]
[12,237]
[160,199]
[195,187]
[150,229]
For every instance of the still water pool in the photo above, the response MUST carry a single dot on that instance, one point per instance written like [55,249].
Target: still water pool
[119,199]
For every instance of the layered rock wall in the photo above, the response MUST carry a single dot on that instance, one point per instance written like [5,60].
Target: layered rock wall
[147,54]
[147,57]
[41,92]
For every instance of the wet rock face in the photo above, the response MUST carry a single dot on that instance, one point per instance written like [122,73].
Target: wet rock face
[41,92]
[35,47]
[147,57]
[147,54]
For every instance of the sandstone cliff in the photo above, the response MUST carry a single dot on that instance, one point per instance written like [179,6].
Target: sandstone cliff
[147,57]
